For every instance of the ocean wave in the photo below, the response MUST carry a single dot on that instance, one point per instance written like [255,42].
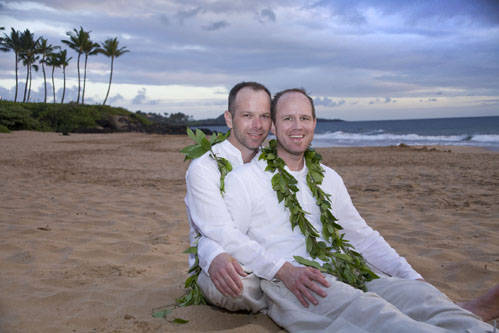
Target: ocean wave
[386,136]
[382,138]
[486,138]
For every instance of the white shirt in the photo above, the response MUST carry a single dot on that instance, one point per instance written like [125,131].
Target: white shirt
[257,213]
[204,202]
[209,216]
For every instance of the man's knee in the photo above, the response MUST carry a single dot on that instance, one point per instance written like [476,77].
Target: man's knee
[251,298]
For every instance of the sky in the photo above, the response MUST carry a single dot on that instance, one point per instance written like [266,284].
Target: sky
[359,60]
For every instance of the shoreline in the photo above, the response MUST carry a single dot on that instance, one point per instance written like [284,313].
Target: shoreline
[94,226]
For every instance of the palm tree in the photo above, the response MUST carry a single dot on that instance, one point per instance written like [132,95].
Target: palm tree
[35,67]
[13,42]
[53,61]
[110,48]
[29,55]
[77,41]
[45,49]
[63,61]
[90,48]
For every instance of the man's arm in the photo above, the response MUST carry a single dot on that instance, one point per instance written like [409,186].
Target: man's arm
[213,260]
[214,221]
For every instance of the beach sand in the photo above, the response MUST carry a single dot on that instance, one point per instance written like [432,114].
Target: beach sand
[93,227]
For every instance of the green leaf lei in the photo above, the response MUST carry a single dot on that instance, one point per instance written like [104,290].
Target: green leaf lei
[202,145]
[339,257]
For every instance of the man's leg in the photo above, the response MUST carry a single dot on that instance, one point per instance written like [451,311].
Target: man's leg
[251,299]
[425,303]
[345,309]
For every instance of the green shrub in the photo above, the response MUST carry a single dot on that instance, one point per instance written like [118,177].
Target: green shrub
[17,118]
[4,129]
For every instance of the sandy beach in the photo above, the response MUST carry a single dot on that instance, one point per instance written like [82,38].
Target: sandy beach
[93,227]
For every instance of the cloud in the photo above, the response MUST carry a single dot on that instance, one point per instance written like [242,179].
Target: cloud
[266,15]
[141,98]
[326,101]
[164,19]
[183,15]
[353,49]
[216,26]
[384,100]
[116,99]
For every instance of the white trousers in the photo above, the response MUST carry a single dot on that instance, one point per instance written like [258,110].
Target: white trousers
[251,299]
[390,305]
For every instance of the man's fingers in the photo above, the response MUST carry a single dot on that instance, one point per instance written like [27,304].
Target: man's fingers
[305,291]
[234,275]
[319,277]
[302,300]
[221,287]
[239,268]
[233,282]
[316,289]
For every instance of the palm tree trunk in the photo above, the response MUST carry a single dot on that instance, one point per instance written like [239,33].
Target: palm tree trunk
[45,82]
[26,85]
[84,80]
[30,80]
[78,66]
[110,79]
[17,79]
[53,85]
[64,87]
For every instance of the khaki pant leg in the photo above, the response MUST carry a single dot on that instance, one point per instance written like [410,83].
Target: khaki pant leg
[423,302]
[345,309]
[250,300]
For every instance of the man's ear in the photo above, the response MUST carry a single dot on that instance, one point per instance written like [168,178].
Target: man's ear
[272,129]
[228,119]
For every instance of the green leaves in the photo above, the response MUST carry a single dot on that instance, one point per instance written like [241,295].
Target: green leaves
[202,144]
[164,312]
[339,260]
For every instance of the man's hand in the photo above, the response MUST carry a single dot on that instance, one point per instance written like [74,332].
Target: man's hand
[224,273]
[301,280]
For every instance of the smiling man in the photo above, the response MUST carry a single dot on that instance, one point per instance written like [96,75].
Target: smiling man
[303,298]
[222,280]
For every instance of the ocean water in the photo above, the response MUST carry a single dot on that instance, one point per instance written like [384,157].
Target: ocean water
[475,131]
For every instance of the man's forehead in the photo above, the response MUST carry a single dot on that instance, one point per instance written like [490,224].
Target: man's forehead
[292,102]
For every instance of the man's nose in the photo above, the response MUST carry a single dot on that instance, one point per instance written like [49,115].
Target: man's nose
[257,122]
[297,124]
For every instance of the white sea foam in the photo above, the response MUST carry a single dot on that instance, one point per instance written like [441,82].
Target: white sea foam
[381,138]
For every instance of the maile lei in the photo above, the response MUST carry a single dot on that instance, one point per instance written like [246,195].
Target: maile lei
[202,145]
[339,257]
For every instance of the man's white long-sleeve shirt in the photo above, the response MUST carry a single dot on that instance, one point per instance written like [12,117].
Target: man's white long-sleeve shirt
[257,213]
[209,216]
[204,201]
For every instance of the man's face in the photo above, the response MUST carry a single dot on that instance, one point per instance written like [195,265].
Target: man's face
[294,124]
[251,122]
